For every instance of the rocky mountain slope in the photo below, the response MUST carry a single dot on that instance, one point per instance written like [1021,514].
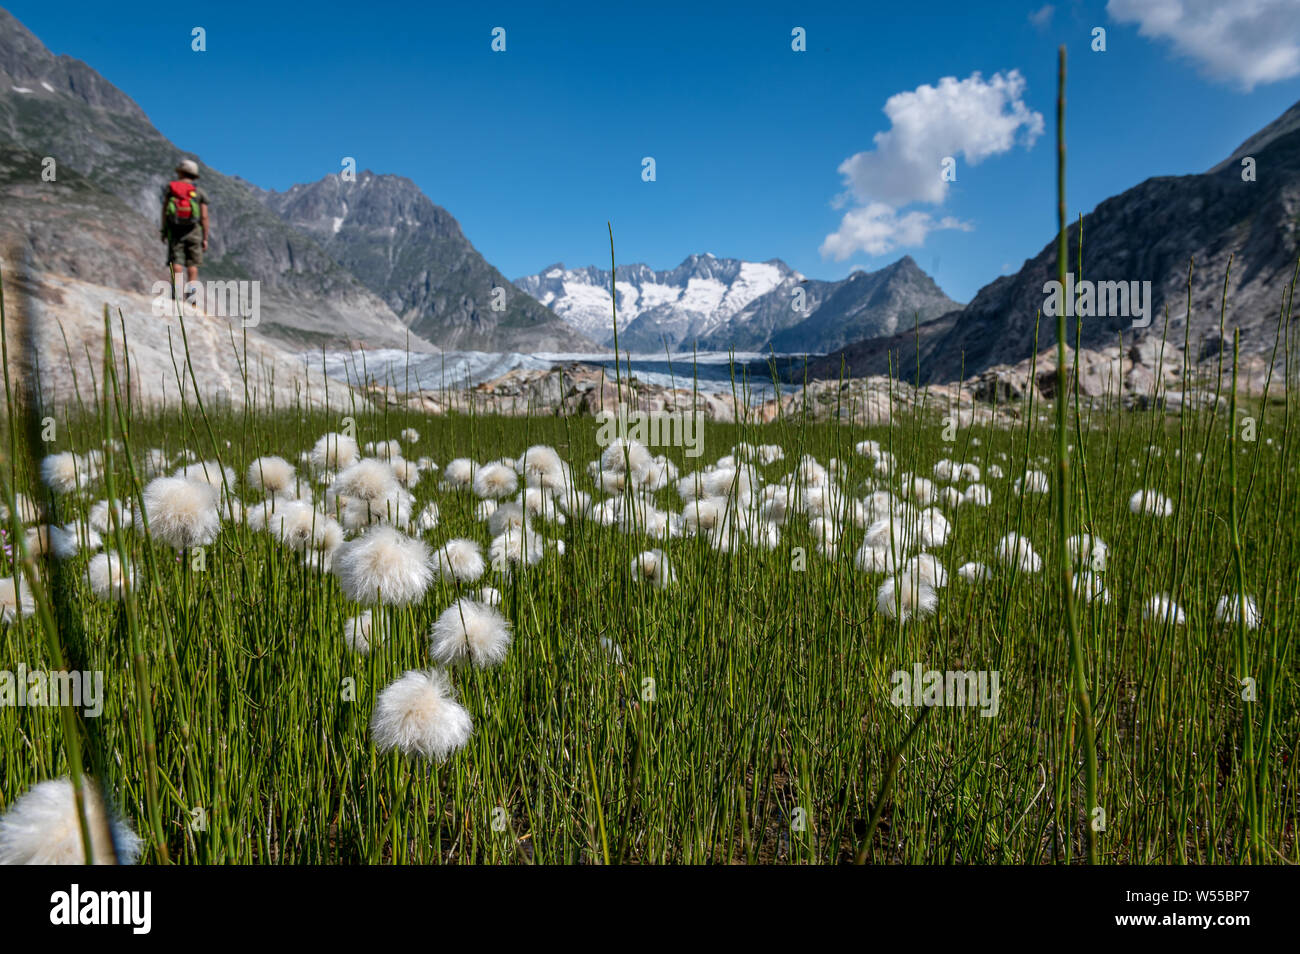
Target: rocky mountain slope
[108,154]
[720,303]
[413,255]
[1150,232]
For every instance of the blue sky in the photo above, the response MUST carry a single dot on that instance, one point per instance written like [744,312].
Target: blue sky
[534,149]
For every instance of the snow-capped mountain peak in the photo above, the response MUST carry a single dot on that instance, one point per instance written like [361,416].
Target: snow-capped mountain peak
[680,304]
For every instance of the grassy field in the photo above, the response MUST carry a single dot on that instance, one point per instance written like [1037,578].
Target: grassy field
[743,712]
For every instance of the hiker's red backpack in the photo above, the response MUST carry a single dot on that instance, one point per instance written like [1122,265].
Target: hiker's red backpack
[181,207]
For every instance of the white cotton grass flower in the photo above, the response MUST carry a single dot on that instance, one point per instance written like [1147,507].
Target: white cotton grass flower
[61,472]
[28,511]
[1162,609]
[67,541]
[1089,587]
[969,472]
[327,538]
[394,508]
[904,597]
[875,559]
[489,595]
[294,524]
[515,546]
[470,631]
[994,472]
[427,518]
[410,435]
[538,502]
[626,457]
[384,450]
[367,479]
[926,568]
[1016,551]
[1034,482]
[946,470]
[42,827]
[333,453]
[977,495]
[541,466]
[460,560]
[920,490]
[932,528]
[181,513]
[102,514]
[974,572]
[484,509]
[109,579]
[702,515]
[360,634]
[154,463]
[495,481]
[407,472]
[273,475]
[1087,550]
[1229,610]
[383,565]
[15,599]
[459,473]
[1151,503]
[418,715]
[208,472]
[506,516]
[897,532]
[37,540]
[652,567]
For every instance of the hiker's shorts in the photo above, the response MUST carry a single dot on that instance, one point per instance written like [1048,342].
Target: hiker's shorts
[185,248]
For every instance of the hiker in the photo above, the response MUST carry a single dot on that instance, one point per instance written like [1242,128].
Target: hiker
[185,226]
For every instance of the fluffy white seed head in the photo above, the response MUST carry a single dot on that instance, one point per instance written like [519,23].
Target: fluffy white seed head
[15,599]
[43,828]
[459,559]
[367,479]
[459,473]
[1088,551]
[384,566]
[495,481]
[1151,503]
[333,453]
[1162,609]
[1089,587]
[273,475]
[61,472]
[1016,551]
[109,579]
[182,513]
[927,568]
[360,633]
[974,573]
[904,597]
[652,567]
[470,631]
[1230,609]
[418,715]
[208,472]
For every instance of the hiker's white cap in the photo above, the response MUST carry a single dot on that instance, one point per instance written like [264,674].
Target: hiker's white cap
[188,167]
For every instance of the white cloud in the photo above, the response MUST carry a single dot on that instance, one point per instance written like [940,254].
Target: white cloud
[878,229]
[969,120]
[1245,42]
[1042,17]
